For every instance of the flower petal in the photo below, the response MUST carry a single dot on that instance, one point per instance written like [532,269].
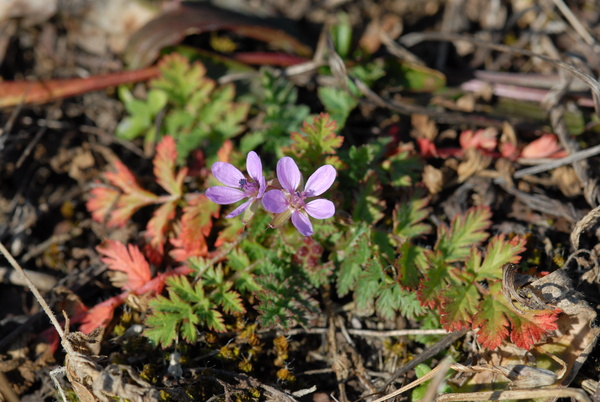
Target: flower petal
[275,201]
[240,209]
[302,223]
[262,186]
[227,174]
[288,174]
[254,166]
[320,209]
[320,181]
[224,195]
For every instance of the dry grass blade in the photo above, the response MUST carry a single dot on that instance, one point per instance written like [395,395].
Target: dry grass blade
[38,297]
[427,354]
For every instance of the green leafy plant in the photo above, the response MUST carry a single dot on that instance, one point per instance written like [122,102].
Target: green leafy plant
[464,283]
[316,143]
[279,113]
[196,110]
[192,304]
[384,268]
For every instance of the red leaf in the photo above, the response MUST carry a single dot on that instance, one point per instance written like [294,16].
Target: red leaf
[224,152]
[485,139]
[130,260]
[530,327]
[509,151]
[156,230]
[491,321]
[546,146]
[429,150]
[269,58]
[164,167]
[105,200]
[196,224]
[28,92]
[102,200]
[101,314]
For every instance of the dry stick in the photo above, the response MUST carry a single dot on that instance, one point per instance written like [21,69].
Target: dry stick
[575,157]
[437,380]
[414,38]
[427,354]
[39,298]
[572,19]
[407,387]
[367,332]
[409,109]
[6,390]
[577,394]
[556,112]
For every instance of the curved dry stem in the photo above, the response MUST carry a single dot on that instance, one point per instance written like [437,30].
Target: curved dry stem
[11,260]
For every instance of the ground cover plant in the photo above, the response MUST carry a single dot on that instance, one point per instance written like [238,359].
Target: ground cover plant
[371,211]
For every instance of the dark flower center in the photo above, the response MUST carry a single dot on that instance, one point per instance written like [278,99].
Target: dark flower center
[249,187]
[297,199]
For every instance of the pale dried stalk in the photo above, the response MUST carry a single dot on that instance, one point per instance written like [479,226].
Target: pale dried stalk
[577,394]
[38,297]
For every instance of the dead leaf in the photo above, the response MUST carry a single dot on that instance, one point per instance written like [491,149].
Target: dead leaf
[106,26]
[196,17]
[423,127]
[30,12]
[388,24]
[433,179]
[474,162]
[565,178]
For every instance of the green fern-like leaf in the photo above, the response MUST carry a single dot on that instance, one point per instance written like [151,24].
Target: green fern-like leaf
[285,299]
[376,290]
[500,252]
[357,251]
[282,115]
[404,168]
[409,216]
[465,231]
[162,328]
[197,111]
[181,80]
[337,103]
[369,206]
[222,295]
[316,143]
[411,263]
[167,318]
[180,314]
[368,284]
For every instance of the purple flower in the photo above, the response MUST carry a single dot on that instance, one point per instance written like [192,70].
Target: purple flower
[238,186]
[291,200]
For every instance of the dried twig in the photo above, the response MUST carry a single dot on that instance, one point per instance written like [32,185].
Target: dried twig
[577,394]
[442,344]
[38,297]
